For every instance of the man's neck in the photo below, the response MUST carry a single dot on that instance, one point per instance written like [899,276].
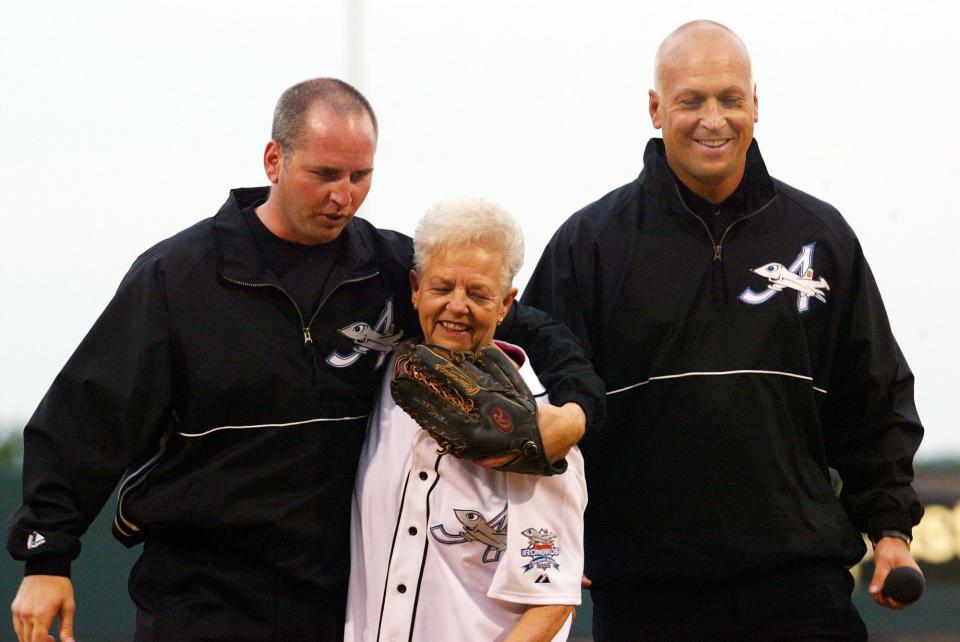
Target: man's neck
[710,192]
[713,192]
[267,213]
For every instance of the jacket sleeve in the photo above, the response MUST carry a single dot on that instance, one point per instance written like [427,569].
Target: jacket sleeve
[559,286]
[558,345]
[871,424]
[109,402]
[562,365]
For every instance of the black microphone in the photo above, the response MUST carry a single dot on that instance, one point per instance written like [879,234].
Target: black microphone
[904,585]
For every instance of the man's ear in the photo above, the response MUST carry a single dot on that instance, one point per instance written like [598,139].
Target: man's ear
[756,105]
[273,160]
[654,107]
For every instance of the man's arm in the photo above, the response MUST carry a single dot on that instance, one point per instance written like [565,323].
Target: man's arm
[871,423]
[107,404]
[540,623]
[562,286]
[576,391]
[555,288]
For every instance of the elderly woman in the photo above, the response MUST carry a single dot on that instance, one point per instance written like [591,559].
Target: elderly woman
[443,549]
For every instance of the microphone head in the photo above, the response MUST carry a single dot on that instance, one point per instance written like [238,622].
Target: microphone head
[904,584]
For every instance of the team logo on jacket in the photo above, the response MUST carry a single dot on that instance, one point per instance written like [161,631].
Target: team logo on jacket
[798,277]
[542,547]
[380,338]
[474,527]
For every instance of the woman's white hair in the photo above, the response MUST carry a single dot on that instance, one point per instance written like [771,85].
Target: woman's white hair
[473,220]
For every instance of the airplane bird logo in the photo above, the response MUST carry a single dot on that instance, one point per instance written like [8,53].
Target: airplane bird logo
[476,528]
[366,338]
[780,278]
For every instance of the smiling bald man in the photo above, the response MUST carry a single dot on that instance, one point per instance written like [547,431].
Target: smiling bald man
[746,353]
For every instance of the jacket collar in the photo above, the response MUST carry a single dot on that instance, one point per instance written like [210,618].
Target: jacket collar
[755,190]
[240,259]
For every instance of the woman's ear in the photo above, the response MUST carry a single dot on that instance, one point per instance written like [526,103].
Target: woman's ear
[507,302]
[414,288]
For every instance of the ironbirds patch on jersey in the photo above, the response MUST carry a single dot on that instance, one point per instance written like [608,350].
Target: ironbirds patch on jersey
[444,549]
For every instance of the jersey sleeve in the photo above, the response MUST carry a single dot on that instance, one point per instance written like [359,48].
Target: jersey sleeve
[543,563]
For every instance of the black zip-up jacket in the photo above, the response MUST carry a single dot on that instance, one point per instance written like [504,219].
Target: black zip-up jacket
[237,417]
[740,366]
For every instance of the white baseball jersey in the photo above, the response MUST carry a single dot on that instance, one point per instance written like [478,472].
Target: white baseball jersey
[432,557]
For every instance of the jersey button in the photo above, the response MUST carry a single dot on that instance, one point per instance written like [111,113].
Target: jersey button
[402,588]
[412,530]
[423,475]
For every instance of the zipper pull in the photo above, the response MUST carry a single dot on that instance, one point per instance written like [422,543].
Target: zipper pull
[307,341]
[716,253]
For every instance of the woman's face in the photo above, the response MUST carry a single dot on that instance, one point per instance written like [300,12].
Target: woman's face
[460,298]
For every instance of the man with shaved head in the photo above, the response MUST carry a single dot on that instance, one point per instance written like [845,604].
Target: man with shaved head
[746,353]
[227,387]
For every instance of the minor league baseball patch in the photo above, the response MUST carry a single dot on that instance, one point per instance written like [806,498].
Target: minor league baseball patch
[542,548]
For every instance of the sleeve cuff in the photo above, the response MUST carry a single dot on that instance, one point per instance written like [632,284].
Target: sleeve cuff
[878,535]
[48,566]
[584,401]
[889,522]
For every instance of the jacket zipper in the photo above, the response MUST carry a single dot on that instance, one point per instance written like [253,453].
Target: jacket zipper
[718,247]
[307,339]
[327,296]
[305,327]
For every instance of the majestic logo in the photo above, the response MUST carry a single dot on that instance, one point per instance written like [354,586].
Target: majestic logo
[798,276]
[542,547]
[35,540]
[476,528]
[380,338]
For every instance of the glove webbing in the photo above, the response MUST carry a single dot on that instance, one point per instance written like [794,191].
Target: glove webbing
[406,366]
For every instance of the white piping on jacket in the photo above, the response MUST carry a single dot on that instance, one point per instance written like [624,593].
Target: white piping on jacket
[292,423]
[718,373]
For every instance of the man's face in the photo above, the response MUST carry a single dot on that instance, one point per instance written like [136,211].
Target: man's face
[706,106]
[320,183]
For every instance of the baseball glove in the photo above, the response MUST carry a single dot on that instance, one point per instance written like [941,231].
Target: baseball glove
[474,404]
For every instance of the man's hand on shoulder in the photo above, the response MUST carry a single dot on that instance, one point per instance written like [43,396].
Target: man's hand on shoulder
[40,599]
[888,554]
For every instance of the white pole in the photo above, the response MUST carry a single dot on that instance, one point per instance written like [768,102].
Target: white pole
[355,43]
